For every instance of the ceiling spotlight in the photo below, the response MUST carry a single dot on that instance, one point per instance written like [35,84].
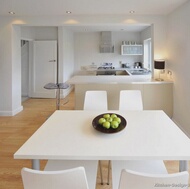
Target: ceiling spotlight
[131,11]
[11,12]
[68,12]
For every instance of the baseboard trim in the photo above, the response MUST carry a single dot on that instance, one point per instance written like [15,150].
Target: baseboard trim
[11,113]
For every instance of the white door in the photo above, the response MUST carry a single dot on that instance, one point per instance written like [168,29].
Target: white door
[43,69]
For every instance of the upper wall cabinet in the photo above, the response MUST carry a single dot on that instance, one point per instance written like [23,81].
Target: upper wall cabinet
[131,50]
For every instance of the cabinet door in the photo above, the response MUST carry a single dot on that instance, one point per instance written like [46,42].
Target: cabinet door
[131,50]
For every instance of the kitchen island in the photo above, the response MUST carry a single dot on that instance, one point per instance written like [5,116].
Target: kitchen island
[156,95]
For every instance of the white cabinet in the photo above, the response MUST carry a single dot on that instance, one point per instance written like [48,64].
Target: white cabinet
[131,49]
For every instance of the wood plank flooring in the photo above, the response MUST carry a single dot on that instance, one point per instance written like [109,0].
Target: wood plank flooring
[14,131]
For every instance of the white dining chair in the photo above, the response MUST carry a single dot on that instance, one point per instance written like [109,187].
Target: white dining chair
[68,179]
[90,167]
[130,100]
[136,180]
[96,100]
[146,166]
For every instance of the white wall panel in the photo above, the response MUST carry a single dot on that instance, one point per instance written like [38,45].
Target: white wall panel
[66,57]
[179,63]
[5,68]
[39,33]
[16,69]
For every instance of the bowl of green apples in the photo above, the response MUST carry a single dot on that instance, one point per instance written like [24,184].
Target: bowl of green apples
[109,123]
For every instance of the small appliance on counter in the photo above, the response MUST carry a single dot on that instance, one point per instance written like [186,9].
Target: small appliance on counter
[138,65]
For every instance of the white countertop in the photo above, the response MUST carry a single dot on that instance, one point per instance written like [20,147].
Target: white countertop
[106,79]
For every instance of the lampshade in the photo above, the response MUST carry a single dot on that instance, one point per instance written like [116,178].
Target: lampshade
[159,64]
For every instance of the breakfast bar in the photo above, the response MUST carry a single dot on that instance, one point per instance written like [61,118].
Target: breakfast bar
[156,95]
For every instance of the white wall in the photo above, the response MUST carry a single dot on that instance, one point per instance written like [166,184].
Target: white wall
[179,62]
[16,70]
[10,94]
[66,54]
[5,67]
[145,34]
[39,33]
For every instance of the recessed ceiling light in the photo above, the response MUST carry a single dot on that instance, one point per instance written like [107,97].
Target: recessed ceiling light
[68,12]
[131,11]
[11,12]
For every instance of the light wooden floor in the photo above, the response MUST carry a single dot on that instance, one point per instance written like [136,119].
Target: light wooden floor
[14,131]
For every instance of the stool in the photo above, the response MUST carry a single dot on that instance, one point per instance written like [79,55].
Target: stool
[57,86]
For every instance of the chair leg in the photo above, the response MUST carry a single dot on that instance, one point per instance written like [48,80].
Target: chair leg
[101,175]
[109,167]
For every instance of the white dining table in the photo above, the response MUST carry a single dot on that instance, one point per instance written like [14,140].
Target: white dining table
[69,135]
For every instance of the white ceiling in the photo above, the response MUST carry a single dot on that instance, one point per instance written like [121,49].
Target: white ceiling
[86,7]
[91,7]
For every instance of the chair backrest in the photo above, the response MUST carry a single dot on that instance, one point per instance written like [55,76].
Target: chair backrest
[95,100]
[135,180]
[65,179]
[130,100]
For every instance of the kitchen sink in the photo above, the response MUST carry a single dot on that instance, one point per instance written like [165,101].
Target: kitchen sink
[127,72]
[139,71]
[122,72]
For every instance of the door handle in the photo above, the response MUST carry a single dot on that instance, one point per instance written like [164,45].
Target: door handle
[52,60]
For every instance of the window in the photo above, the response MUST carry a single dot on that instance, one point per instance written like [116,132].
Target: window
[147,54]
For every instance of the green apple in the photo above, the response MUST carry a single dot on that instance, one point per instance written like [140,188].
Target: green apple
[113,116]
[109,119]
[117,119]
[106,116]
[106,125]
[101,120]
[114,124]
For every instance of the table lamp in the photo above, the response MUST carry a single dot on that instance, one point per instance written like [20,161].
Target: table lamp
[160,65]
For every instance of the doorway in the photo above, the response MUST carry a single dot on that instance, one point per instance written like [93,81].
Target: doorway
[38,67]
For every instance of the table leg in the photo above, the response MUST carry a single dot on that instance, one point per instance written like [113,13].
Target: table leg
[183,165]
[36,164]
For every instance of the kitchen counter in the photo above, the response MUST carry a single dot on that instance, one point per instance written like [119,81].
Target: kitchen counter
[111,79]
[156,95]
[125,69]
[118,71]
